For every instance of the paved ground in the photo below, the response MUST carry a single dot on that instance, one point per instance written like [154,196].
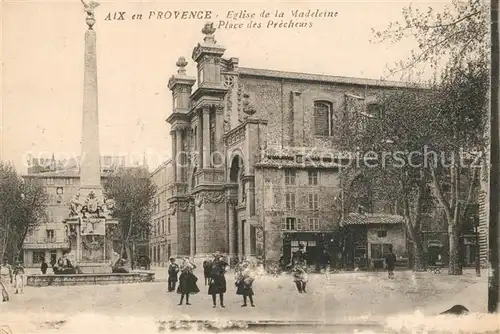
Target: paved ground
[342,297]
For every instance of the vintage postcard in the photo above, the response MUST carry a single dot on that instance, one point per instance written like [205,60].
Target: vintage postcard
[258,166]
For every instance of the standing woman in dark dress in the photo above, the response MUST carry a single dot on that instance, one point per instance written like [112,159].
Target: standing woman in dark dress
[187,281]
[217,282]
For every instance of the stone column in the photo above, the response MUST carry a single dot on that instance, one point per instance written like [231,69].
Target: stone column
[199,136]
[230,219]
[206,137]
[173,136]
[90,160]
[250,189]
[240,237]
[192,230]
[78,254]
[219,131]
[179,153]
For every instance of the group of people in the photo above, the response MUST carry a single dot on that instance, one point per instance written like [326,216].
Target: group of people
[11,275]
[214,273]
[61,266]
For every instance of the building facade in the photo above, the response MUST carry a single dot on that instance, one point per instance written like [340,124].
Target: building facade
[163,235]
[249,165]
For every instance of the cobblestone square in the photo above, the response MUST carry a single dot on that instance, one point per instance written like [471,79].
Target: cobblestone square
[339,298]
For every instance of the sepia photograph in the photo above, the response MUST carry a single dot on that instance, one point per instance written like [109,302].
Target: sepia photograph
[258,166]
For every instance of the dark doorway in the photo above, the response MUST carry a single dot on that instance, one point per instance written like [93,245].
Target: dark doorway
[253,240]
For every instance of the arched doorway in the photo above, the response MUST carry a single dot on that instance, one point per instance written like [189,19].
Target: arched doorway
[236,172]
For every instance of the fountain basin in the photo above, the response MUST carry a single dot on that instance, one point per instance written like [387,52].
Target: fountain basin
[39,280]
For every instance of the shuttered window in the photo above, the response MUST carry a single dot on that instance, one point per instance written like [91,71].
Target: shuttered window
[322,119]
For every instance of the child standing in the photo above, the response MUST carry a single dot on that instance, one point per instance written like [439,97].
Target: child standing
[300,278]
[173,270]
[19,277]
[244,286]
[187,281]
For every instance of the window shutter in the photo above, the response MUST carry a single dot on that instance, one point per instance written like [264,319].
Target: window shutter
[283,224]
[299,224]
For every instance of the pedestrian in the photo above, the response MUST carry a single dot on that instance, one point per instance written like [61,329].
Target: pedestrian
[173,270]
[187,281]
[390,262]
[44,267]
[217,282]
[19,277]
[300,278]
[299,257]
[5,279]
[244,285]
[206,269]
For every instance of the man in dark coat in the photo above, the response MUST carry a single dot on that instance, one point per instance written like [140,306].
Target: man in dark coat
[390,262]
[217,280]
[44,267]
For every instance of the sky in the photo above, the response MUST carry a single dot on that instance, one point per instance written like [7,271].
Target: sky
[42,66]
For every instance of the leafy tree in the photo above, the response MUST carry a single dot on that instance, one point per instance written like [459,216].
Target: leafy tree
[22,209]
[133,191]
[384,142]
[454,43]
[458,35]
[460,110]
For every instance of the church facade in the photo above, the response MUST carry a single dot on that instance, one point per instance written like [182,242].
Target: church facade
[249,166]
[254,169]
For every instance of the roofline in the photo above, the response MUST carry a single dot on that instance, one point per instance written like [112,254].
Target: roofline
[62,175]
[163,164]
[301,76]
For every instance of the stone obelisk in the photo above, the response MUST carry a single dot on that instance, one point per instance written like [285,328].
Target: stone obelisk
[90,161]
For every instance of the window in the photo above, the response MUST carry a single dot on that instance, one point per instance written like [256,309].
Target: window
[290,176]
[38,256]
[50,235]
[228,81]
[168,225]
[162,226]
[313,177]
[295,244]
[382,234]
[290,201]
[313,201]
[375,110]
[289,224]
[175,102]
[68,181]
[313,224]
[50,181]
[322,119]
[379,251]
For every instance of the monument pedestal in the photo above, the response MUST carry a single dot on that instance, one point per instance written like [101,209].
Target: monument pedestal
[95,268]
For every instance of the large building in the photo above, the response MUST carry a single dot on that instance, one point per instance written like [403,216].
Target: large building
[249,174]
[255,170]
[49,240]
